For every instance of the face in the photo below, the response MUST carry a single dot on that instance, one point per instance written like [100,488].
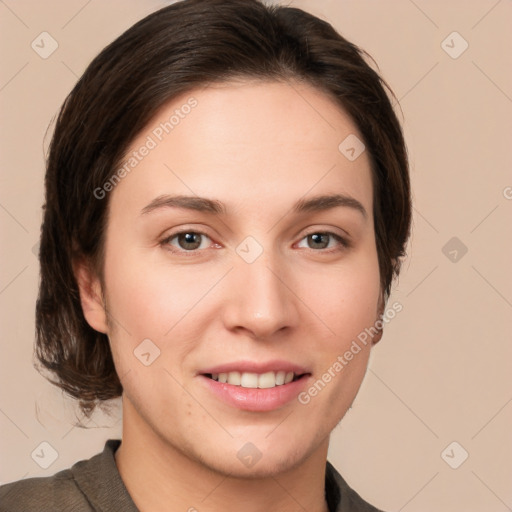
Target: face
[227,275]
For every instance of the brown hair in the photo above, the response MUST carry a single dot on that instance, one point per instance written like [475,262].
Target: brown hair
[180,47]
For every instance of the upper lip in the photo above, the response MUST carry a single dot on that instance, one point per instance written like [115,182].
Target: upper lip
[255,367]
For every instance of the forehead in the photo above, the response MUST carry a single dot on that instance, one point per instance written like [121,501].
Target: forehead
[246,142]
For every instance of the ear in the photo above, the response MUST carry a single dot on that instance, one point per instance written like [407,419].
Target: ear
[91,296]
[380,311]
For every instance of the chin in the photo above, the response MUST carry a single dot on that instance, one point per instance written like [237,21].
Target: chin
[269,466]
[261,457]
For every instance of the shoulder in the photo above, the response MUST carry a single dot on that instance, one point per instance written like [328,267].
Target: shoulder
[341,496]
[48,494]
[92,484]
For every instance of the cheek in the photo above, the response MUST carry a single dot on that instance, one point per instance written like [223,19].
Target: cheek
[157,302]
[347,303]
[345,298]
[151,298]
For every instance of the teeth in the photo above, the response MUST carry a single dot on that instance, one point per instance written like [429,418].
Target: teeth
[248,380]
[255,380]
[234,378]
[267,380]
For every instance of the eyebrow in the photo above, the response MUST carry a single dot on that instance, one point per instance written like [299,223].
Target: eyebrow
[203,204]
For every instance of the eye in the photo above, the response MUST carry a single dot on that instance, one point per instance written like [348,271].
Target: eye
[190,241]
[322,240]
[186,241]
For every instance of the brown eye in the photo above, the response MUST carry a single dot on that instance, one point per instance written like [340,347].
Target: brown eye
[318,240]
[324,240]
[187,241]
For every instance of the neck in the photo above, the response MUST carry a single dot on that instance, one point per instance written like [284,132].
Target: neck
[159,476]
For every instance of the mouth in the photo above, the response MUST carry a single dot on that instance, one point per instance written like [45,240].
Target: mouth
[256,386]
[251,380]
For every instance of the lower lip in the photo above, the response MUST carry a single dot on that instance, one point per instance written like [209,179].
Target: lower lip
[256,399]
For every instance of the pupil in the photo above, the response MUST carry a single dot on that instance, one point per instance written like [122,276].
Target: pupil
[190,240]
[317,239]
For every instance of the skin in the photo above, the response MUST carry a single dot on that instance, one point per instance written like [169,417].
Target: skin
[258,147]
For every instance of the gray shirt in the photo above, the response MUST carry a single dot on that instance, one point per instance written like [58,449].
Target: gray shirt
[94,485]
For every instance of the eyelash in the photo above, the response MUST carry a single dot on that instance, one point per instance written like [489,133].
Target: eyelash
[344,243]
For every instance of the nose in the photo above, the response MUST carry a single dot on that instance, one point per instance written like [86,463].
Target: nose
[260,299]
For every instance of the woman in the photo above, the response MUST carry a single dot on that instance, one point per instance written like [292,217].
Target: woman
[227,204]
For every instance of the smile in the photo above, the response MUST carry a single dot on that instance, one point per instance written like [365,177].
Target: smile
[255,380]
[256,392]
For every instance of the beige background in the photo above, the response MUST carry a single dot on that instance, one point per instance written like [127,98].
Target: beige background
[442,371]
